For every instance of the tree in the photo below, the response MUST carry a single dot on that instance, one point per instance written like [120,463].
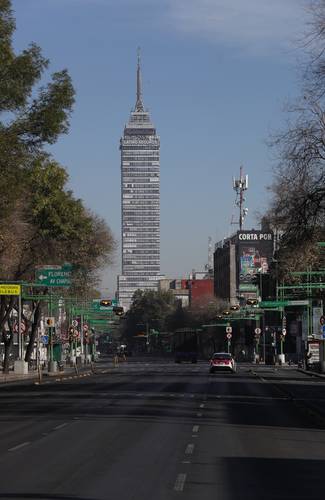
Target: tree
[28,123]
[149,309]
[298,192]
[41,221]
[51,226]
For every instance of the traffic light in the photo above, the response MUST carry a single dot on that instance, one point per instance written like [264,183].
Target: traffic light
[71,333]
[252,302]
[49,322]
[118,310]
[105,302]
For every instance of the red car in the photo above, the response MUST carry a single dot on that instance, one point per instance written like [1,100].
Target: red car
[222,361]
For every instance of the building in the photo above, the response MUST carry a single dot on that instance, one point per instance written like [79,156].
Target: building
[237,262]
[201,290]
[140,201]
[197,290]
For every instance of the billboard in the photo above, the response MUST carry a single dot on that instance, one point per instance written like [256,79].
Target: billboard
[254,253]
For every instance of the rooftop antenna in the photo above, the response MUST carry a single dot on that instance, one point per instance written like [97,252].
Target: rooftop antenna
[210,255]
[139,104]
[209,265]
[240,185]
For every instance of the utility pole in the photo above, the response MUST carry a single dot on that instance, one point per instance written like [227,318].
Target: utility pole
[240,185]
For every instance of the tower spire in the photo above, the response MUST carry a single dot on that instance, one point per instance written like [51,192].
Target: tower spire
[139,104]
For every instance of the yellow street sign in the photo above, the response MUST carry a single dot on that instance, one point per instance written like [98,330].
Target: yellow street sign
[7,289]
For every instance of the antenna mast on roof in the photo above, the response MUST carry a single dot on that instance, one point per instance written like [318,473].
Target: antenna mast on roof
[240,185]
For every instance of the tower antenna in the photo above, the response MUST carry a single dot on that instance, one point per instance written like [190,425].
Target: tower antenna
[240,185]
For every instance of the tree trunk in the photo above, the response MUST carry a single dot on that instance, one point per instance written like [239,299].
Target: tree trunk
[6,361]
[32,338]
[7,338]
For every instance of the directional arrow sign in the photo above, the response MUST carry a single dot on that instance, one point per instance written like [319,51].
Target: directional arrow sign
[54,276]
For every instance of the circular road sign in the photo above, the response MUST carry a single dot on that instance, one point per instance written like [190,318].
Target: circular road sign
[22,327]
[284,331]
[258,331]
[74,323]
[228,329]
[229,335]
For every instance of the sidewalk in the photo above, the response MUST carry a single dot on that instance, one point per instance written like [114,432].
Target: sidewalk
[311,373]
[68,373]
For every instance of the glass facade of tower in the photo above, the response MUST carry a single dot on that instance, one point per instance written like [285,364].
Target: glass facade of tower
[140,183]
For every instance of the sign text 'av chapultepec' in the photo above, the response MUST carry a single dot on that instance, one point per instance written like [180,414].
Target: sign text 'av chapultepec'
[54,275]
[9,289]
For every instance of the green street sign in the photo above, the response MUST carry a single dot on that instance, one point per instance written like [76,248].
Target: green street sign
[247,288]
[273,303]
[54,275]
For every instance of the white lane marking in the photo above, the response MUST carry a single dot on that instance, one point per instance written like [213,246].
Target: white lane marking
[186,461]
[199,415]
[60,426]
[19,446]
[189,449]
[194,436]
[202,405]
[192,396]
[140,394]
[180,482]
[195,428]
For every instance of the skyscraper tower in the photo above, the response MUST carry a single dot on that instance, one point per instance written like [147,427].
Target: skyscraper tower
[140,191]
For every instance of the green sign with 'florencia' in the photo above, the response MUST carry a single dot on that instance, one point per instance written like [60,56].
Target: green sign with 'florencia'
[54,275]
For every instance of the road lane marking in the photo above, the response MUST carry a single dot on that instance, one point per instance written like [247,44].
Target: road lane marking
[199,414]
[195,428]
[186,462]
[19,446]
[189,449]
[202,405]
[180,482]
[60,426]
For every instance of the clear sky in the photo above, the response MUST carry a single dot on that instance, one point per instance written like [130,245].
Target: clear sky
[216,77]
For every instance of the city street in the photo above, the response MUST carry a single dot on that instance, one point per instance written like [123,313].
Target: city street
[156,430]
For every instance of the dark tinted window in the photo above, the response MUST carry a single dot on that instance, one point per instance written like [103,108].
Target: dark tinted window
[221,356]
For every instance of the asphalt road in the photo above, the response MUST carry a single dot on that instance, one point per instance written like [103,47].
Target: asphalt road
[156,430]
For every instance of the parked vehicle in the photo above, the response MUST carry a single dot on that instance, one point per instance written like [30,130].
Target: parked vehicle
[222,361]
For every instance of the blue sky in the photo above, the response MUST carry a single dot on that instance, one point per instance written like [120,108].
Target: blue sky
[216,77]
